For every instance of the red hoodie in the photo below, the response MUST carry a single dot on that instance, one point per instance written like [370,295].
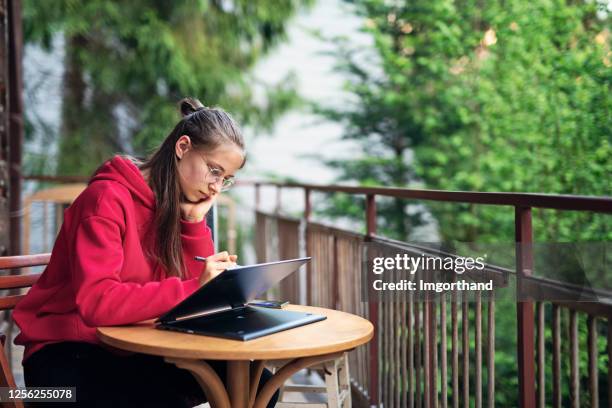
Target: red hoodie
[98,274]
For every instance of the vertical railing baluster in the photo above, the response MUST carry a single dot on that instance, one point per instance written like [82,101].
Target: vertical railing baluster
[329,292]
[524,309]
[361,306]
[379,364]
[426,353]
[398,345]
[403,356]
[384,343]
[541,361]
[593,354]
[399,362]
[373,309]
[610,361]
[391,349]
[307,243]
[417,348]
[411,330]
[466,350]
[335,273]
[574,362]
[491,352]
[443,356]
[397,341]
[310,266]
[455,349]
[433,347]
[310,251]
[556,369]
[478,368]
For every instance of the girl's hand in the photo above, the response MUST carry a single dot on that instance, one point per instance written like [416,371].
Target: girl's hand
[215,264]
[195,212]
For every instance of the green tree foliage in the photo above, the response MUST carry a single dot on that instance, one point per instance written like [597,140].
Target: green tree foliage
[135,59]
[488,96]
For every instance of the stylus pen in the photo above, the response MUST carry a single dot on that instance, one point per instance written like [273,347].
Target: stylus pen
[203,259]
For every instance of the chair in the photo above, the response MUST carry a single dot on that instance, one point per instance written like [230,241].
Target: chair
[8,302]
[337,385]
[57,198]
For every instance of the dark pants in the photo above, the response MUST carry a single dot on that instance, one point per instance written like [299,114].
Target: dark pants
[105,379]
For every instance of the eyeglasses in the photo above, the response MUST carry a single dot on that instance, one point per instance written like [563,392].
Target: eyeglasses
[215,175]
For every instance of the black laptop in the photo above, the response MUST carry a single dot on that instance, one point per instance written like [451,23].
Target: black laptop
[221,307]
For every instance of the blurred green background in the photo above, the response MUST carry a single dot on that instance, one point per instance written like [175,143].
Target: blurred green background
[499,95]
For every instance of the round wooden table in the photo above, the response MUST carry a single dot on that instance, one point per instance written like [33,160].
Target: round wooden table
[304,346]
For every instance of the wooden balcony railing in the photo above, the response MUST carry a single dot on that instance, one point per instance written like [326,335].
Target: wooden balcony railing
[407,364]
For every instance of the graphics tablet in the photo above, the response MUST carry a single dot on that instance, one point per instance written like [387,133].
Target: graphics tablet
[220,307]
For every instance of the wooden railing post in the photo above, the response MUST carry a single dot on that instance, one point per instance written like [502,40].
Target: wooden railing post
[524,309]
[373,310]
[307,210]
[15,123]
[257,197]
[370,215]
[335,274]
[278,199]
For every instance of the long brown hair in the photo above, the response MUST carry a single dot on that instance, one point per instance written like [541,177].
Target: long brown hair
[207,128]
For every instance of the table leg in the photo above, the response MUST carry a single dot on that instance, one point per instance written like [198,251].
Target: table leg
[207,378]
[243,380]
[238,382]
[282,375]
[256,369]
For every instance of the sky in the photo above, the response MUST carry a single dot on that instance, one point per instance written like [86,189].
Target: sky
[298,136]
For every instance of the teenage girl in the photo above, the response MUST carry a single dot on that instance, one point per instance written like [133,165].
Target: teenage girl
[125,253]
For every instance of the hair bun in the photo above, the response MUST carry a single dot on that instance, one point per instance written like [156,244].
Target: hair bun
[190,105]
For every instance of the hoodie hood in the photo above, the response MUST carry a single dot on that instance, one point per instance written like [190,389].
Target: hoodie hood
[102,271]
[122,170]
